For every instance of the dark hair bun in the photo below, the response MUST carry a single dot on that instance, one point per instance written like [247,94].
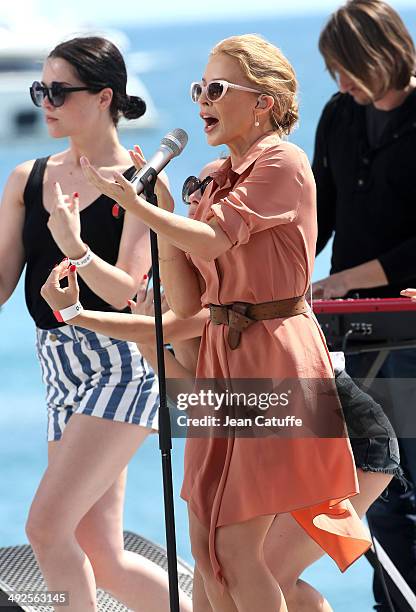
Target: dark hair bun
[133,107]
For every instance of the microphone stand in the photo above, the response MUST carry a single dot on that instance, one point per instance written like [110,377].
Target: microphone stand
[165,437]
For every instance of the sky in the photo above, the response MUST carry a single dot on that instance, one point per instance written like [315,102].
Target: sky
[105,12]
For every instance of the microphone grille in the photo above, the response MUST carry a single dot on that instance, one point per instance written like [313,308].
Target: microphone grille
[175,140]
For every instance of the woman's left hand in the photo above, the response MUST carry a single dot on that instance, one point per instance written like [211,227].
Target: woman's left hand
[120,190]
[52,292]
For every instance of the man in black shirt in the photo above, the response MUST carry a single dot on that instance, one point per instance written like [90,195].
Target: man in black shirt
[365,170]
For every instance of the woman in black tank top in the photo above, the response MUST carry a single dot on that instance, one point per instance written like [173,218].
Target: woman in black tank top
[75,522]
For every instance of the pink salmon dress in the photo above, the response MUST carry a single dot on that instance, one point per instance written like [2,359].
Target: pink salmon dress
[267,207]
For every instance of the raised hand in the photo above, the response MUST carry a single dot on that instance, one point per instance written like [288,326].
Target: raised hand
[164,197]
[65,225]
[52,292]
[120,189]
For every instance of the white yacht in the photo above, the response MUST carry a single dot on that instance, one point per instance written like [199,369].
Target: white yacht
[21,58]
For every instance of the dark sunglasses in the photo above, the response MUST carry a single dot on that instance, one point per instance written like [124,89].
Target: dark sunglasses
[192,184]
[56,92]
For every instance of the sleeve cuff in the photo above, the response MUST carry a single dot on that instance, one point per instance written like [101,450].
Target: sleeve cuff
[231,222]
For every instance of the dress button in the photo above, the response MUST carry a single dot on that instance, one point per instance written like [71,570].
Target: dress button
[360,182]
[395,135]
[53,337]
[365,160]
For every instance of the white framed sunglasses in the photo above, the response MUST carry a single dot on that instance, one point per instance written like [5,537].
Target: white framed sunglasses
[215,90]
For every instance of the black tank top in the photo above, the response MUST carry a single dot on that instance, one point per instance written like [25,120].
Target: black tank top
[99,229]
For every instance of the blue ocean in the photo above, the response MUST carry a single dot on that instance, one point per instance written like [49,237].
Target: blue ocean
[180,53]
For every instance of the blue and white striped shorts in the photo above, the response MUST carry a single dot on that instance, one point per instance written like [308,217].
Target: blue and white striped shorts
[88,373]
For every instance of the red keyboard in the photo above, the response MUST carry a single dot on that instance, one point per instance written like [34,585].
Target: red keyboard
[364,305]
[353,324]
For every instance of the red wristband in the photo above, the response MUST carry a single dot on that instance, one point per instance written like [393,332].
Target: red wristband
[58,316]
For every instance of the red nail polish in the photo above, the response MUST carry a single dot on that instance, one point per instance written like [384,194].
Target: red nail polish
[72,268]
[115,210]
[145,277]
[76,194]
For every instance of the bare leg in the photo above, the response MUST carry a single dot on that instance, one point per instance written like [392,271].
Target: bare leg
[249,580]
[289,550]
[132,579]
[199,597]
[240,553]
[372,485]
[217,598]
[86,468]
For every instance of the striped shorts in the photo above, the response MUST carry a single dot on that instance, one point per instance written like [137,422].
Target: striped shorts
[88,373]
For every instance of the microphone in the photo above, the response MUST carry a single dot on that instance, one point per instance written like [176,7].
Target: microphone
[171,146]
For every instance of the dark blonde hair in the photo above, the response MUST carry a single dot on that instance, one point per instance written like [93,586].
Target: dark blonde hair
[268,70]
[368,40]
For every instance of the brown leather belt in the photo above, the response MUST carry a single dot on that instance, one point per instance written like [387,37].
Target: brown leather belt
[240,315]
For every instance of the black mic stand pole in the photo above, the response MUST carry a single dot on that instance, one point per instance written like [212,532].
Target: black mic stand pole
[165,437]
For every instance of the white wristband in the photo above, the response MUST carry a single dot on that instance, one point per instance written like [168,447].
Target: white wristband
[66,314]
[84,260]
